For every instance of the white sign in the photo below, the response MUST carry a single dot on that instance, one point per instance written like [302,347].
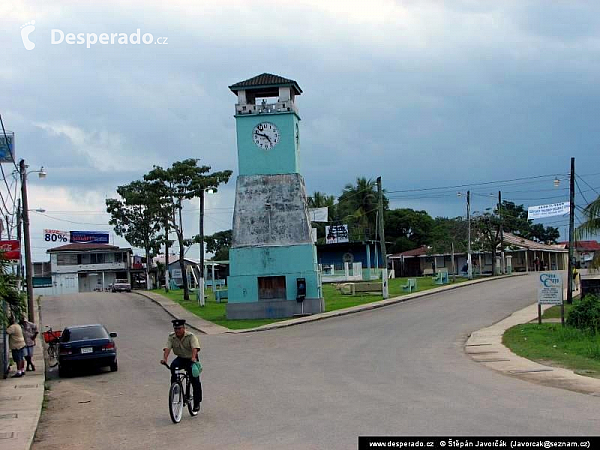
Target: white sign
[176,273]
[318,214]
[550,289]
[336,233]
[543,211]
[56,236]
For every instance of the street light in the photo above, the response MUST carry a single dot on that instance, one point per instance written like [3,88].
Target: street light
[201,234]
[27,239]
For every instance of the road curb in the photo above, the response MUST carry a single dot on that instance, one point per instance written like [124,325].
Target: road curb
[176,311]
[369,306]
[485,347]
[217,329]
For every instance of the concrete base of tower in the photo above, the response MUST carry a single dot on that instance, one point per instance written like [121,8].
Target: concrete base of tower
[274,309]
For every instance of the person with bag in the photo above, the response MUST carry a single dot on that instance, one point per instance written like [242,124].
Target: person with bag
[30,332]
[16,343]
[186,346]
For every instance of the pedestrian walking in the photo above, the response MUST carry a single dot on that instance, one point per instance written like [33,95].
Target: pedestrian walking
[30,332]
[16,343]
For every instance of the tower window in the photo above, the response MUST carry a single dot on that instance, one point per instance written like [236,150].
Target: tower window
[271,288]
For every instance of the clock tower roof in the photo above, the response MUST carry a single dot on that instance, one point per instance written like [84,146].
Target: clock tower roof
[265,82]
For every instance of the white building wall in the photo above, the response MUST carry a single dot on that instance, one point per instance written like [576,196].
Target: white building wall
[65,283]
[89,267]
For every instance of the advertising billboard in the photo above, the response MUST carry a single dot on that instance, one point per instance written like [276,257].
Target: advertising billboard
[10,249]
[7,147]
[89,237]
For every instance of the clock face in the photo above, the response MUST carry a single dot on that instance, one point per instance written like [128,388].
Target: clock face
[265,135]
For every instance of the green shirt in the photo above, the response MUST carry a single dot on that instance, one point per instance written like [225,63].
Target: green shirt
[183,347]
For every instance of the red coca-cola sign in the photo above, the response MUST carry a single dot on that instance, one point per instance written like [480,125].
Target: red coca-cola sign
[10,250]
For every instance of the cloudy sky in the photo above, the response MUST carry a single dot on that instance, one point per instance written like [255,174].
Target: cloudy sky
[424,94]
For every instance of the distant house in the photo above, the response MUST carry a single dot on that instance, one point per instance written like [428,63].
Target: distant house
[521,255]
[584,252]
[87,267]
[335,255]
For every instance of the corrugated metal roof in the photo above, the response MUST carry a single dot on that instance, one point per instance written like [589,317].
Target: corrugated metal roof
[585,246]
[411,253]
[518,241]
[265,79]
[80,247]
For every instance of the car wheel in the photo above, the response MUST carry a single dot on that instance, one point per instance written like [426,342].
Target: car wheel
[62,371]
[114,367]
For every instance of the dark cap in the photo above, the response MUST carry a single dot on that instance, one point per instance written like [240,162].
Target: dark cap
[178,323]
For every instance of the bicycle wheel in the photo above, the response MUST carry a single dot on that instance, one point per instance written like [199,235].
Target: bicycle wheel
[190,398]
[176,401]
[52,355]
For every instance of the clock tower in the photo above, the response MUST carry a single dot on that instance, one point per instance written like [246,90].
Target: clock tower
[273,260]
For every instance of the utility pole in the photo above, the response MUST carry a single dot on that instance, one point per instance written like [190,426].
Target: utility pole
[384,274]
[166,255]
[571,231]
[501,233]
[469,262]
[201,231]
[28,264]
[20,266]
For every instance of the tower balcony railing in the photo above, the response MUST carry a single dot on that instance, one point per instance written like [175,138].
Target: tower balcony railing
[266,108]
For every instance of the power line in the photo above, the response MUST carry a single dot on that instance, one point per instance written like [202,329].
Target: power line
[588,184]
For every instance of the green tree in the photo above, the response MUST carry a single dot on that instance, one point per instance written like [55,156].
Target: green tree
[590,226]
[487,229]
[357,206]
[9,293]
[448,234]
[184,180]
[407,228]
[136,217]
[219,244]
[514,220]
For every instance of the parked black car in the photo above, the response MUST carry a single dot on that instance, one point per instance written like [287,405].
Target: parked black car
[85,346]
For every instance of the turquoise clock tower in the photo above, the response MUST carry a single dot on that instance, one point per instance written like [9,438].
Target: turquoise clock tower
[273,260]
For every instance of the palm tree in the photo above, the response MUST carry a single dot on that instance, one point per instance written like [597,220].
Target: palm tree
[357,206]
[591,226]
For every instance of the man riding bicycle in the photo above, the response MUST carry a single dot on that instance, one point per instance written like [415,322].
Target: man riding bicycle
[186,346]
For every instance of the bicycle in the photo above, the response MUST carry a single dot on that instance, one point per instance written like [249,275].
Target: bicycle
[180,393]
[52,338]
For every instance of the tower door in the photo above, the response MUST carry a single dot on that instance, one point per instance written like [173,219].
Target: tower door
[271,288]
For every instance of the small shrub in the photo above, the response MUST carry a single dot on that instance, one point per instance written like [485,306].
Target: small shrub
[585,315]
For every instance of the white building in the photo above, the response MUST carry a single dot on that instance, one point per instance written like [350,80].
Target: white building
[87,267]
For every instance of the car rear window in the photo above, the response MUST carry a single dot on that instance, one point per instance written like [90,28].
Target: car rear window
[83,333]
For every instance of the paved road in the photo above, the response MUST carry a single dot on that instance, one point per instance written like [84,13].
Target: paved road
[399,370]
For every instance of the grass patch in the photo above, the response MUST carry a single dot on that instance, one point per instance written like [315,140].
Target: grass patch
[552,344]
[213,311]
[334,300]
[554,312]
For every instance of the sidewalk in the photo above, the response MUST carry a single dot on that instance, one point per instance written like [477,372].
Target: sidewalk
[485,347]
[21,402]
